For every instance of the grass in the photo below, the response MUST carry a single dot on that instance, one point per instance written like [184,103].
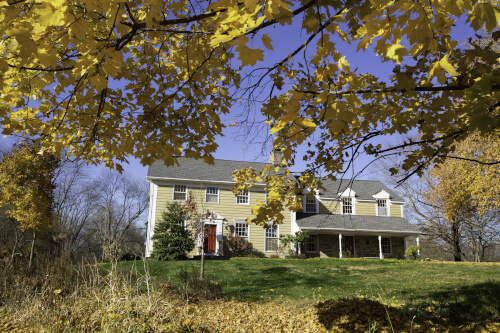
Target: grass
[259,295]
[458,292]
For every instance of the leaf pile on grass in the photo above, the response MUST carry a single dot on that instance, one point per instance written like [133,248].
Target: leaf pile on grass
[88,299]
[361,314]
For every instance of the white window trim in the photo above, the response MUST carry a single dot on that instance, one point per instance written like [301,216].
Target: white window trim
[173,193]
[353,202]
[304,203]
[317,245]
[248,227]
[348,193]
[382,195]
[277,230]
[316,205]
[240,203]
[390,245]
[218,194]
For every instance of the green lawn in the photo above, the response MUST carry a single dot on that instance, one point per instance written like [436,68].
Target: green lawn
[456,291]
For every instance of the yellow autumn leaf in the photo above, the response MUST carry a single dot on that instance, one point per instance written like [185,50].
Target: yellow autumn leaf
[396,52]
[447,66]
[304,122]
[267,42]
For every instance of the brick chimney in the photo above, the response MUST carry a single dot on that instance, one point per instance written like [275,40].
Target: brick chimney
[275,157]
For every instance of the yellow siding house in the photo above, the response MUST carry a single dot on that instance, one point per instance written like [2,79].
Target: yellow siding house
[349,218]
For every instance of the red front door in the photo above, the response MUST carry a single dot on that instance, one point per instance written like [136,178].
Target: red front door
[211,241]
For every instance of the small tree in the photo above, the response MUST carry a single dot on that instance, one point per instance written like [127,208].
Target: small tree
[172,241]
[298,240]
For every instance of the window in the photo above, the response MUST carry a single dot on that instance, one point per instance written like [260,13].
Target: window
[212,195]
[272,238]
[310,205]
[312,243]
[346,205]
[241,229]
[382,207]
[180,192]
[242,198]
[386,245]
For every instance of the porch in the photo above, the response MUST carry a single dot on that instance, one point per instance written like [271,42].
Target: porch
[342,236]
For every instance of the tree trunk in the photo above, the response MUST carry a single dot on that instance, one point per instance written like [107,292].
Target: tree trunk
[457,252]
[202,261]
[32,248]
[13,254]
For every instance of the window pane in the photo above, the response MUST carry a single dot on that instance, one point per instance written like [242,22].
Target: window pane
[212,194]
[312,242]
[180,192]
[241,229]
[242,198]
[386,245]
[272,244]
[271,238]
[310,205]
[382,207]
[347,205]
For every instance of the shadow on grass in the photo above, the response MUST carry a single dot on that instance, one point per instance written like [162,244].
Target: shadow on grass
[269,282]
[477,303]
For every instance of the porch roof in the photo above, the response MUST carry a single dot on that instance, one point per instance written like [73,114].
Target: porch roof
[352,223]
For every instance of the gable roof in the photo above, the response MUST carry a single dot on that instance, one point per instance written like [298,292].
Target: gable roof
[222,171]
[355,222]
[192,169]
[364,189]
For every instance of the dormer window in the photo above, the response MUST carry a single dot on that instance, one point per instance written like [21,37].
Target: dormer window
[347,206]
[383,203]
[348,202]
[310,205]
[382,207]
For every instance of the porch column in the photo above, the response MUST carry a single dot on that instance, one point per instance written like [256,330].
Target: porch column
[380,246]
[340,245]
[418,244]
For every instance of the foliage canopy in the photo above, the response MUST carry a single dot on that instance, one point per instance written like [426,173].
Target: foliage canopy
[26,186]
[154,79]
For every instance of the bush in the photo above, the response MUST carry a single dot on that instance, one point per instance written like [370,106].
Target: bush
[412,252]
[239,246]
[298,241]
[172,241]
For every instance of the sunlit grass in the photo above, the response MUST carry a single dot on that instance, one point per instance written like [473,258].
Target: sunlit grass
[441,288]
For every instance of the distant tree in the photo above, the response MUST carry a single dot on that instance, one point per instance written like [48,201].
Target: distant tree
[26,190]
[119,203]
[456,204]
[468,195]
[172,240]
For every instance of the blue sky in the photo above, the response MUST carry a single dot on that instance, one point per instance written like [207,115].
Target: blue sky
[232,148]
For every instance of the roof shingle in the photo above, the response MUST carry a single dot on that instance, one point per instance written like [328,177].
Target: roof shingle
[355,222]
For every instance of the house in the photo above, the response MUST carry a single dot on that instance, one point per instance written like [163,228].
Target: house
[350,218]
